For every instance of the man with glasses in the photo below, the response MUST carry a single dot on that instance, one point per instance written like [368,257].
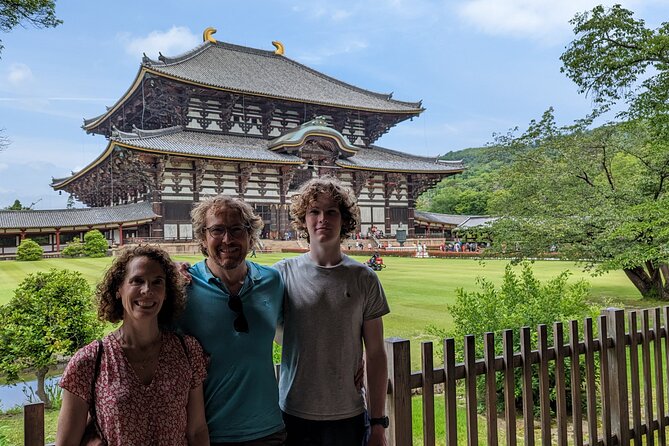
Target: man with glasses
[233,307]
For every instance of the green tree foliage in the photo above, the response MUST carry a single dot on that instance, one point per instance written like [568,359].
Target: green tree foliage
[521,301]
[598,195]
[37,13]
[50,315]
[95,244]
[73,249]
[29,250]
[616,58]
[470,192]
[16,206]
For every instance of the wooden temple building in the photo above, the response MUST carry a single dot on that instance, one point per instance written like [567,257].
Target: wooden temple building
[251,123]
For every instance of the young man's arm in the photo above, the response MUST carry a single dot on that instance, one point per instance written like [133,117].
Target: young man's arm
[377,376]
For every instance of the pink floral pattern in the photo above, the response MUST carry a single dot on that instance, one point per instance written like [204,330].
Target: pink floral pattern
[129,412]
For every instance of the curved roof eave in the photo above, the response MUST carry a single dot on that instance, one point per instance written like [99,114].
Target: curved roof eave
[89,124]
[112,144]
[325,134]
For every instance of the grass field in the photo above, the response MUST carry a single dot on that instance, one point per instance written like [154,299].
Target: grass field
[418,290]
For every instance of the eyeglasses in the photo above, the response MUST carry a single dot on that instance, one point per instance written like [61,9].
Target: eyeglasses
[219,232]
[240,323]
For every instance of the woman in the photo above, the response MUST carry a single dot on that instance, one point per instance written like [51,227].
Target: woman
[149,386]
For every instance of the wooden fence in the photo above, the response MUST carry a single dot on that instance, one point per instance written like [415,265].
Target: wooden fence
[624,396]
[613,396]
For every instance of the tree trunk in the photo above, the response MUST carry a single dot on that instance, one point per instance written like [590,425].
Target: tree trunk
[649,282]
[41,392]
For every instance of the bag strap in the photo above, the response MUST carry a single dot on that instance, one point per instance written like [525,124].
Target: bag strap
[183,345]
[96,373]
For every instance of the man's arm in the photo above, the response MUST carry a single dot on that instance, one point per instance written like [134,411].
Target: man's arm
[377,376]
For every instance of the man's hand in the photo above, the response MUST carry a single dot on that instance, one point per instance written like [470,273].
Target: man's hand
[182,269]
[378,436]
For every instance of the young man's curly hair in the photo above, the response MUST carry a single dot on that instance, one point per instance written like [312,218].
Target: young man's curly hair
[216,205]
[311,191]
[110,305]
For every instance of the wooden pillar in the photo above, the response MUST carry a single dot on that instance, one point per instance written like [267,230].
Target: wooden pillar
[617,366]
[399,401]
[33,424]
[23,234]
[57,239]
[120,234]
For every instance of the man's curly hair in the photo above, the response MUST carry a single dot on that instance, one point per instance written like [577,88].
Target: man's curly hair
[110,306]
[216,205]
[311,191]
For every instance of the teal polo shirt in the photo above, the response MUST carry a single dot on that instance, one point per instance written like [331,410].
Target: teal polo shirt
[240,393]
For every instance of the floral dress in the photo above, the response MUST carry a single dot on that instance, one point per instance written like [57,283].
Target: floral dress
[129,412]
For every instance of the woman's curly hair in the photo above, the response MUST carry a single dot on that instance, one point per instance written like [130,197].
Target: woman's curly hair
[110,306]
[342,195]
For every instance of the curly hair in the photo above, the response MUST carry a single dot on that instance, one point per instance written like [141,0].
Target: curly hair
[110,307]
[342,195]
[216,205]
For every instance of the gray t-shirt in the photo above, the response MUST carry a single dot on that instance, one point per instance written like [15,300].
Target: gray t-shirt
[324,310]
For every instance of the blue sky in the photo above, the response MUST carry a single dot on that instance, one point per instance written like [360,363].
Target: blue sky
[480,67]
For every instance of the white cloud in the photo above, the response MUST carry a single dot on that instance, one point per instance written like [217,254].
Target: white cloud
[547,20]
[173,42]
[3,166]
[19,74]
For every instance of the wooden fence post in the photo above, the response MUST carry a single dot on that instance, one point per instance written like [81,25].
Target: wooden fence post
[399,400]
[617,361]
[33,424]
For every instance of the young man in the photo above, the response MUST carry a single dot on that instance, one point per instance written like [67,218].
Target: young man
[333,305]
[232,309]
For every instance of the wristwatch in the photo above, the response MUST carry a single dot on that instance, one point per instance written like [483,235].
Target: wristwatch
[383,421]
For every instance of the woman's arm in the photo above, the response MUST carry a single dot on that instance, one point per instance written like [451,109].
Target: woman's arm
[196,430]
[71,420]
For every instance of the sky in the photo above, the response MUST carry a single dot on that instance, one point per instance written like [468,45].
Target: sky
[480,67]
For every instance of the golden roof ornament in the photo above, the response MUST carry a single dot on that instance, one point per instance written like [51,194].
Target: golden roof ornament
[207,35]
[279,48]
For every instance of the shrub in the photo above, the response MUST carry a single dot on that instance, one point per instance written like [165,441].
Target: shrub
[29,250]
[73,249]
[520,301]
[50,315]
[95,244]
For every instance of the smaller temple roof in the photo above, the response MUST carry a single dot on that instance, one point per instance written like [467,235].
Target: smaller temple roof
[62,218]
[315,127]
[457,221]
[380,158]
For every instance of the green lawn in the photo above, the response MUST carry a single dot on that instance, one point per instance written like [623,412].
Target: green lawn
[418,291]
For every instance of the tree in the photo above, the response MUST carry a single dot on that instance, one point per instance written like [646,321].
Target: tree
[29,250]
[598,195]
[95,244]
[16,206]
[616,58]
[50,315]
[37,13]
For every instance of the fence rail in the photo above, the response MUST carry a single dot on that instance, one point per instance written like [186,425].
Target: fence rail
[620,375]
[625,382]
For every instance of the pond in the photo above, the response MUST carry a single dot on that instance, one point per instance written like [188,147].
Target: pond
[13,395]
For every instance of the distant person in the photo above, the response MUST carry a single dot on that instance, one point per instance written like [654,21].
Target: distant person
[148,388]
[333,306]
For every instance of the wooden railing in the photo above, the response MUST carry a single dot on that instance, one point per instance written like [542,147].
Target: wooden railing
[613,399]
[631,375]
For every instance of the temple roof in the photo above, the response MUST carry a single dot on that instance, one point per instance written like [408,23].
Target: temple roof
[61,218]
[458,221]
[315,127]
[264,73]
[190,143]
[250,71]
